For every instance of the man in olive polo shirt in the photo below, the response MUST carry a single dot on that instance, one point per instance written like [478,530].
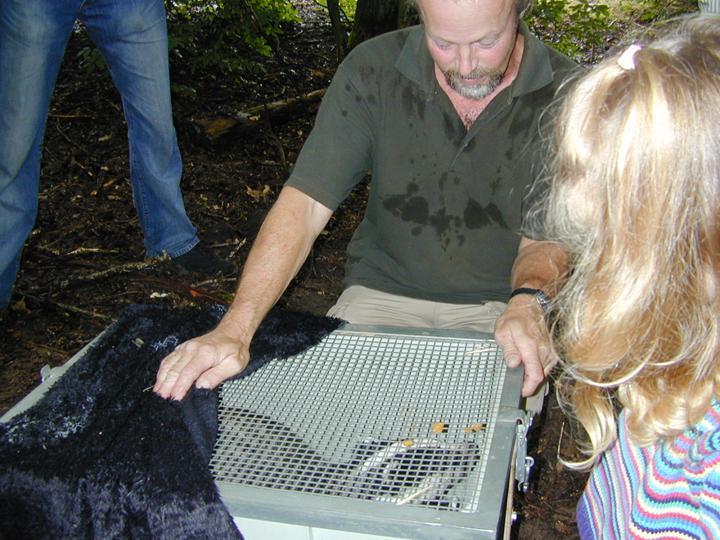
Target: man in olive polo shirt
[445,116]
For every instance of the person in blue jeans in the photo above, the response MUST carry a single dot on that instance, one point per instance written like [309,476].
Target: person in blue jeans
[132,36]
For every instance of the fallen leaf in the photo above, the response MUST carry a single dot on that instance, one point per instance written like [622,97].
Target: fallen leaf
[21,307]
[258,194]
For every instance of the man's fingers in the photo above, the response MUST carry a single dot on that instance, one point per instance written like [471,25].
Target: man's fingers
[504,339]
[179,370]
[187,376]
[163,370]
[204,362]
[512,357]
[213,377]
[167,365]
[534,376]
[517,346]
[168,373]
[529,348]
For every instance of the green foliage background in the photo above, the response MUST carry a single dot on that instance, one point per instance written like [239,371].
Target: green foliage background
[226,35]
[346,6]
[574,27]
[229,38]
[584,29]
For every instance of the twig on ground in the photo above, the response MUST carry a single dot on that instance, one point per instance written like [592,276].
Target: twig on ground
[240,245]
[184,289]
[52,350]
[69,116]
[231,243]
[80,311]
[115,270]
[69,140]
[66,307]
[215,280]
[86,250]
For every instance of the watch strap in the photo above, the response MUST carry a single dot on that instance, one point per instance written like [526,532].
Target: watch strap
[540,296]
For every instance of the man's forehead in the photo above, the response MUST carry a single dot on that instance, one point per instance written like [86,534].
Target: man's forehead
[466,20]
[462,4]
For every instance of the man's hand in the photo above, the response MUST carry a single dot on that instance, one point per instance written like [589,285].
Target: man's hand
[205,361]
[522,334]
[282,245]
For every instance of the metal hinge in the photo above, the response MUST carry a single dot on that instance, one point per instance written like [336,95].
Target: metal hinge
[523,462]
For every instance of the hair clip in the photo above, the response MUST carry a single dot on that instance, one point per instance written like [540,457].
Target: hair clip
[627,59]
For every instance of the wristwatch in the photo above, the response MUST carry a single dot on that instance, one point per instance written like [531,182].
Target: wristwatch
[542,299]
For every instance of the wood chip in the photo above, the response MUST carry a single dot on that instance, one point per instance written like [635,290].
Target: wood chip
[439,427]
[480,426]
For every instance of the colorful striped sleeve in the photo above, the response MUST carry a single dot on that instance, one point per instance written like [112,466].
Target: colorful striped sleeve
[668,490]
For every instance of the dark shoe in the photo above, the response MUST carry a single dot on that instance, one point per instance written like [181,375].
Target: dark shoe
[202,260]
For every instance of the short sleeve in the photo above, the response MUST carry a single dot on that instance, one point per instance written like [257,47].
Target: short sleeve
[337,153]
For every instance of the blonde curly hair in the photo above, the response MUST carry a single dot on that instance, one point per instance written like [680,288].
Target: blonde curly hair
[635,196]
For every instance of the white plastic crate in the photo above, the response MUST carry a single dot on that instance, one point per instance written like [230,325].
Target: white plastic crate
[374,433]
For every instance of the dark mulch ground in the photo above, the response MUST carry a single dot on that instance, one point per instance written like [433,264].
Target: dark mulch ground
[80,266]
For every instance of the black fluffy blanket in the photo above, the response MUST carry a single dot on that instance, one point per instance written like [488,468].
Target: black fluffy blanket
[101,456]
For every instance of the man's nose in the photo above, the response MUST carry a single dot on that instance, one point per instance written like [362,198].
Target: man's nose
[466,65]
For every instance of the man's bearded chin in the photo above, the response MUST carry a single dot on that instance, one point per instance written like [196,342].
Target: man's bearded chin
[490,81]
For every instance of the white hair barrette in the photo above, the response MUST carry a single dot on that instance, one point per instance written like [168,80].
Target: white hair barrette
[627,59]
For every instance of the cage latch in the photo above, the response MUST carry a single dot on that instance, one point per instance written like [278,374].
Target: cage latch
[523,462]
[46,372]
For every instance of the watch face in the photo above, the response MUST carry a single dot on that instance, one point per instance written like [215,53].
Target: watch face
[543,300]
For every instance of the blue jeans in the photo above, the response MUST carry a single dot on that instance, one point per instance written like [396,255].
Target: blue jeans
[132,36]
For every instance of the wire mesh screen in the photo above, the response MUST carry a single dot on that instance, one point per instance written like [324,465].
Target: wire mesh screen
[394,418]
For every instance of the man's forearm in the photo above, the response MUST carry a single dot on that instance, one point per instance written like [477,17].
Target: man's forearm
[539,265]
[279,251]
[521,330]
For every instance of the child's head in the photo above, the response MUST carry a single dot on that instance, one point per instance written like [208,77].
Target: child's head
[636,197]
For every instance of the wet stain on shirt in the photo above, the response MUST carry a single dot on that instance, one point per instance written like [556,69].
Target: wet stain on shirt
[366,72]
[412,105]
[477,215]
[413,208]
[443,180]
[408,206]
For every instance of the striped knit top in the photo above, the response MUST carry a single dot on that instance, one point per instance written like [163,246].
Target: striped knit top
[670,490]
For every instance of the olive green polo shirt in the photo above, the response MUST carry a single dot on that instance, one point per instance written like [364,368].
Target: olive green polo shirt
[446,204]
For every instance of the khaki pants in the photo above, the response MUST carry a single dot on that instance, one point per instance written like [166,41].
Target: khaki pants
[361,305]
